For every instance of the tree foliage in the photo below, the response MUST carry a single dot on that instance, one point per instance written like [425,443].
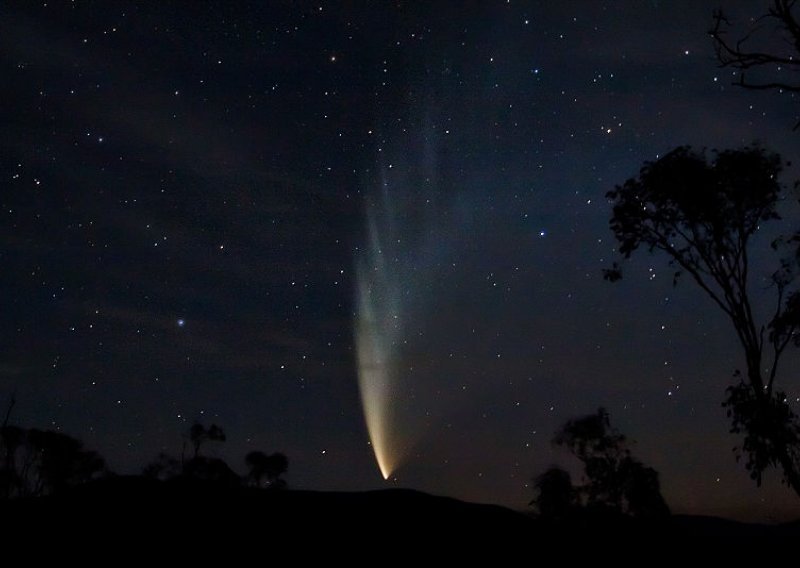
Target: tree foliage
[702,214]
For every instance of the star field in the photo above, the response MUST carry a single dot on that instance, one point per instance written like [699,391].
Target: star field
[185,195]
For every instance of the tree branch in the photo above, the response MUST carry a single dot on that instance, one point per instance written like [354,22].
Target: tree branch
[742,82]
[737,57]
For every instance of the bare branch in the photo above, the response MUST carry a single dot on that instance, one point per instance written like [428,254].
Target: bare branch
[736,55]
[742,82]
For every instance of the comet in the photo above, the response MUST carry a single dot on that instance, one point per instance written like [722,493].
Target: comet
[410,236]
[378,331]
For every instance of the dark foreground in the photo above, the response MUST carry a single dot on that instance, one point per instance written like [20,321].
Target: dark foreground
[137,515]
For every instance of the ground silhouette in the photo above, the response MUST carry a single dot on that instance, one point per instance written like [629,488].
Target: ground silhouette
[201,517]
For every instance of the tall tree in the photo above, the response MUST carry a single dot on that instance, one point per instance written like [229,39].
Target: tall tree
[703,215]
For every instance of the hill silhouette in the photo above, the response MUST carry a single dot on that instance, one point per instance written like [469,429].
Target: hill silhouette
[204,516]
[194,504]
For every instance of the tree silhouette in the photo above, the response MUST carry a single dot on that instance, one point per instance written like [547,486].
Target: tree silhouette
[555,494]
[614,480]
[62,462]
[210,469]
[11,438]
[702,215]
[775,55]
[601,450]
[198,434]
[642,490]
[42,462]
[265,470]
[202,467]
[11,480]
[163,467]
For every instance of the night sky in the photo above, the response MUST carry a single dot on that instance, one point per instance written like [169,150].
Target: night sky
[187,190]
